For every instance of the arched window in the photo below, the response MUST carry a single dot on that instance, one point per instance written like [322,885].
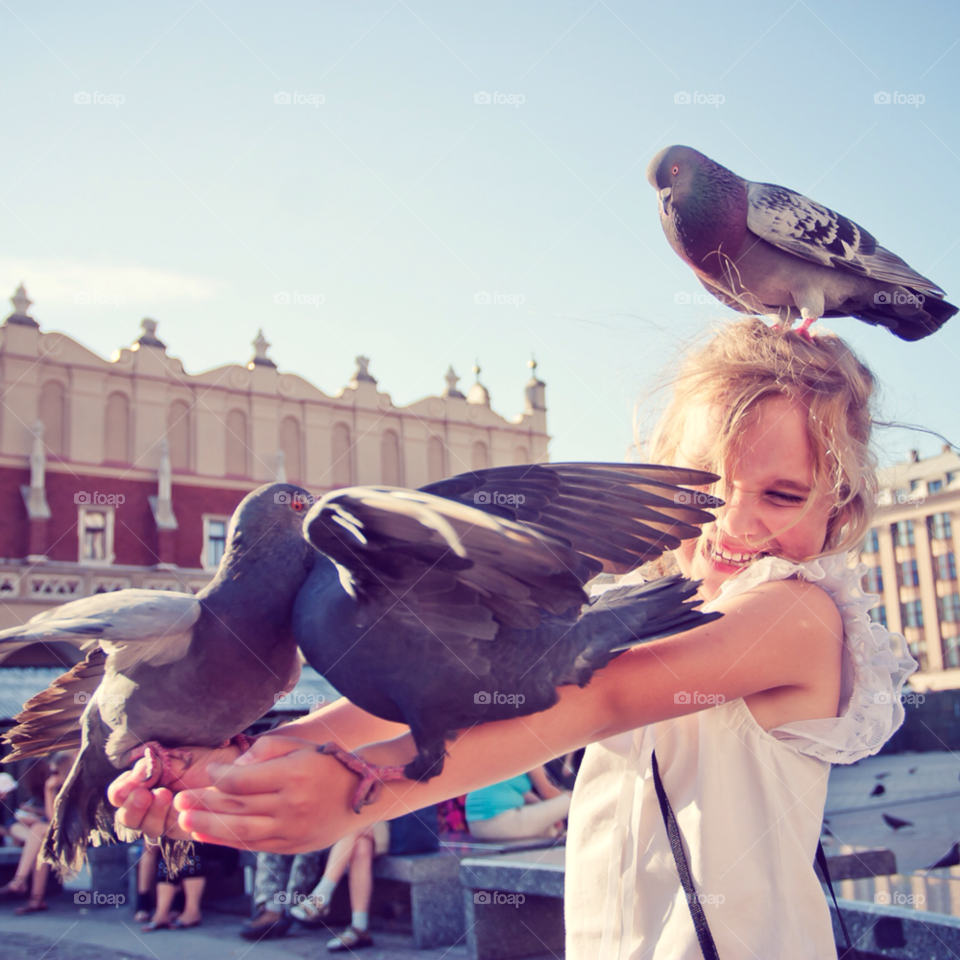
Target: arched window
[520,455]
[53,415]
[290,445]
[390,459]
[436,460]
[237,443]
[178,434]
[341,469]
[479,458]
[116,429]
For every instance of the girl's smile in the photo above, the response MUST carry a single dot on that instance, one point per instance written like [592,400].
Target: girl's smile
[766,491]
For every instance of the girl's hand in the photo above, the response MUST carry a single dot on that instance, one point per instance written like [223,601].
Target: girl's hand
[149,810]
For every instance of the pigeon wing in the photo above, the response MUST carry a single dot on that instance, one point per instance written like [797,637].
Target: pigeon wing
[617,514]
[151,625]
[801,226]
[443,565]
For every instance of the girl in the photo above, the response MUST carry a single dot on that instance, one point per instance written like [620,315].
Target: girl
[742,717]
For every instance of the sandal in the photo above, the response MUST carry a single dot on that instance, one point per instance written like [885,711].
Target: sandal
[31,906]
[155,925]
[15,890]
[179,925]
[350,939]
[142,916]
[309,913]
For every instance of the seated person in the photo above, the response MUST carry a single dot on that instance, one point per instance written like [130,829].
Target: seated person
[520,808]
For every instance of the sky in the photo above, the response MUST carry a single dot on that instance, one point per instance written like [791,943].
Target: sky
[430,183]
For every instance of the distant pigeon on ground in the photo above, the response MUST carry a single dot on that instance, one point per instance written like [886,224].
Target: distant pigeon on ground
[464,602]
[764,249]
[895,822]
[913,770]
[166,668]
[950,859]
[878,791]
[882,776]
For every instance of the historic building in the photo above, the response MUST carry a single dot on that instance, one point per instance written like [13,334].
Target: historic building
[911,557]
[123,472]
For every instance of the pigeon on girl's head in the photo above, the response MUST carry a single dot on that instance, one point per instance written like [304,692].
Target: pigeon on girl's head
[764,249]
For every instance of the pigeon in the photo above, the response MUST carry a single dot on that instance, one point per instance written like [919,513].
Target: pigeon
[166,668]
[761,248]
[950,859]
[878,791]
[882,776]
[464,602]
[895,822]
[913,770]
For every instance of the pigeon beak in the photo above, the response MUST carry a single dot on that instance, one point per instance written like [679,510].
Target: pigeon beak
[664,196]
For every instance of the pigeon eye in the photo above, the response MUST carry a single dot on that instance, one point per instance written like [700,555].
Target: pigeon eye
[296,506]
[674,169]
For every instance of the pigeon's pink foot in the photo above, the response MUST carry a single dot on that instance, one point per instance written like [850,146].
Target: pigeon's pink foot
[804,328]
[164,764]
[372,776]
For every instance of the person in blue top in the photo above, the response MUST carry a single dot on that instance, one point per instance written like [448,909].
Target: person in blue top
[525,806]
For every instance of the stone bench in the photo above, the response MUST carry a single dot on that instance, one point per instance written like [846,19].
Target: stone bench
[513,903]
[897,933]
[859,864]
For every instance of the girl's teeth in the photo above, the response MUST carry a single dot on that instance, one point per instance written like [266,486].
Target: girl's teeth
[733,558]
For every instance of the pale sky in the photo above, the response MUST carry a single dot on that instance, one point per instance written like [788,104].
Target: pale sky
[382,198]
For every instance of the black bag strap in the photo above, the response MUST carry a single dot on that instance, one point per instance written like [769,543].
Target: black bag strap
[704,936]
[825,873]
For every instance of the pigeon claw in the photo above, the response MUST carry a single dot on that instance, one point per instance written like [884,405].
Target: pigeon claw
[804,328]
[372,776]
[160,763]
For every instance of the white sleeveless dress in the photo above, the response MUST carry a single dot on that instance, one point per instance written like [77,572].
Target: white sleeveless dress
[749,804]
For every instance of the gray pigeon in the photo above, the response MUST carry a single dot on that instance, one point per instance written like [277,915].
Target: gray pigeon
[764,249]
[464,602]
[166,668]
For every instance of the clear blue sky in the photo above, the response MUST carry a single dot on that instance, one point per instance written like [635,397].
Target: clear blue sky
[398,198]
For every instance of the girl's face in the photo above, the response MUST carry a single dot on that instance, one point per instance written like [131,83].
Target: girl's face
[766,489]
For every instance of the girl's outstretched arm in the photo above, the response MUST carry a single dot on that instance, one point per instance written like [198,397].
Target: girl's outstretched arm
[284,796]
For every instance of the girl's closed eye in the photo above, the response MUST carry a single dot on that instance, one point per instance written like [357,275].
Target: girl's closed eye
[786,499]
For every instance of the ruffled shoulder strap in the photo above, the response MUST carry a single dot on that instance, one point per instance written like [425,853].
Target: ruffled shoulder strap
[875,666]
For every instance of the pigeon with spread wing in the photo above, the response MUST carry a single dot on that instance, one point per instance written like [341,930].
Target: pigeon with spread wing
[464,602]
[764,249]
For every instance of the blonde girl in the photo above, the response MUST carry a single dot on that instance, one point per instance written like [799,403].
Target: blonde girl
[742,717]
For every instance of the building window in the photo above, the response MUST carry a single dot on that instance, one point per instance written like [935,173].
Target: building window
[934,486]
[913,614]
[903,533]
[918,650]
[950,608]
[390,474]
[879,615]
[872,543]
[940,526]
[951,652]
[908,574]
[914,484]
[946,566]
[95,528]
[951,477]
[873,581]
[214,542]
[341,469]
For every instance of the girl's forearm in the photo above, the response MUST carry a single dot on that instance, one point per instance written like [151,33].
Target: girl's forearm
[342,722]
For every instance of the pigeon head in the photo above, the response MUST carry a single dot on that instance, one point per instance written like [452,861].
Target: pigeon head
[703,206]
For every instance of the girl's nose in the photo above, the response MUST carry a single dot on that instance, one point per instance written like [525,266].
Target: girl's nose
[740,519]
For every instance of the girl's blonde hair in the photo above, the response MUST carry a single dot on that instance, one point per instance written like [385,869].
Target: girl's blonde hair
[746,362]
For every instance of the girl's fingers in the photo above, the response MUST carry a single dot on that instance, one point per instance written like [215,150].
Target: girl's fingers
[230,830]
[213,800]
[267,771]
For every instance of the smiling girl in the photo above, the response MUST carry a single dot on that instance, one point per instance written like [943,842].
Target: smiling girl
[742,717]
